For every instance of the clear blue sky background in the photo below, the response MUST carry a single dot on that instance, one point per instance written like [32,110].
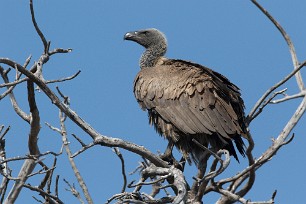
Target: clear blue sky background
[232,37]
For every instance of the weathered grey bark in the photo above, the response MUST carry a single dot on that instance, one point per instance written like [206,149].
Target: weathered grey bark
[29,164]
[235,191]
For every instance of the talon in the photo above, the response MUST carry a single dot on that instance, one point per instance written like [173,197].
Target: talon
[168,157]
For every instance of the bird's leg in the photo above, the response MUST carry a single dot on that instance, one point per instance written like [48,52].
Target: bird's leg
[167,156]
[182,163]
[202,169]
[195,186]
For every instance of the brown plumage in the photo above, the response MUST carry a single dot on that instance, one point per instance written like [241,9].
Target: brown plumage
[187,101]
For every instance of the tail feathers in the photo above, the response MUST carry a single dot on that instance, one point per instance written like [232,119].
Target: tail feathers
[240,145]
[231,149]
[215,142]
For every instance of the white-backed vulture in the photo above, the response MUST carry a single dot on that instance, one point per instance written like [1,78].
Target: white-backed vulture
[187,101]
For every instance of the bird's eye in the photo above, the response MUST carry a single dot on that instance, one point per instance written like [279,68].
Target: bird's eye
[144,32]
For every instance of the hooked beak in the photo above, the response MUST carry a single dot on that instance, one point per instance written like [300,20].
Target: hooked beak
[130,35]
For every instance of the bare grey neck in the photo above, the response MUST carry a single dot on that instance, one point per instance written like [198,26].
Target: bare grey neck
[152,54]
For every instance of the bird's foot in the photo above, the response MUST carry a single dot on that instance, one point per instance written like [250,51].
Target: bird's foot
[167,157]
[172,161]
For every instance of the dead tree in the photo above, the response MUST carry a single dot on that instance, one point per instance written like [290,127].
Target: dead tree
[154,171]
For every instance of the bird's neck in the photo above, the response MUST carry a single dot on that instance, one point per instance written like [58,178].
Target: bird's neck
[150,57]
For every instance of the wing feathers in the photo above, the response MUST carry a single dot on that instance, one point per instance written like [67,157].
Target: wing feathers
[191,100]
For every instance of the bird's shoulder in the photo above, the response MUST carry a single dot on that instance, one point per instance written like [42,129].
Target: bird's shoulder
[167,79]
[179,73]
[174,71]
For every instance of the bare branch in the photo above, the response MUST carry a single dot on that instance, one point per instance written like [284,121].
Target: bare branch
[47,179]
[13,84]
[41,171]
[287,98]
[4,169]
[41,35]
[277,143]
[250,116]
[141,183]
[15,105]
[14,159]
[103,140]
[5,132]
[66,100]
[223,165]
[35,120]
[9,84]
[74,191]
[43,193]
[63,132]
[207,149]
[60,50]
[178,180]
[84,148]
[138,168]
[56,185]
[118,153]
[265,103]
[26,63]
[288,41]
[289,140]
[63,79]
[97,137]
[53,128]
[19,81]
[79,140]
[29,164]
[233,197]
[153,167]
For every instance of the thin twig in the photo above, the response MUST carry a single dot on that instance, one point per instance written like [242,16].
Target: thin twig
[265,103]
[207,149]
[26,63]
[160,179]
[9,89]
[62,118]
[250,116]
[138,168]
[288,41]
[223,165]
[289,140]
[15,105]
[60,50]
[74,191]
[43,193]
[53,128]
[78,139]
[14,159]
[41,35]
[287,98]
[41,171]
[56,185]
[118,153]
[4,167]
[9,84]
[29,164]
[63,79]
[5,132]
[83,149]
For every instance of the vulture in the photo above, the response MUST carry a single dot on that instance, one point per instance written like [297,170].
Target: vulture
[187,102]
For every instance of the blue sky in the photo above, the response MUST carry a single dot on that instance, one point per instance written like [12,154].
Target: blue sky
[231,37]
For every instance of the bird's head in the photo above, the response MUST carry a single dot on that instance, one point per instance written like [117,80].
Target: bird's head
[147,37]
